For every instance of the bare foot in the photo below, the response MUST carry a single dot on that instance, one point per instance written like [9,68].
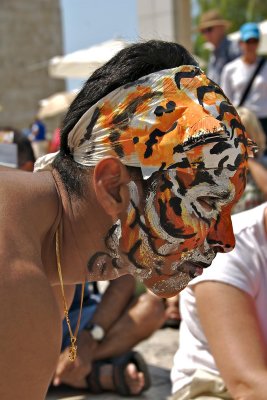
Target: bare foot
[135,380]
[172,314]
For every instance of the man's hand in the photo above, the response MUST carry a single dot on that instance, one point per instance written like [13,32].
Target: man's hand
[74,373]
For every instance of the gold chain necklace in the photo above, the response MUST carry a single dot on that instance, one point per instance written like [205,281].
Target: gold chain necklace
[73,336]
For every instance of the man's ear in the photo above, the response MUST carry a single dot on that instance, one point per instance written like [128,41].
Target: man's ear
[110,183]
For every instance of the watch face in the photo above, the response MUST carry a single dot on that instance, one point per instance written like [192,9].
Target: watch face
[97,332]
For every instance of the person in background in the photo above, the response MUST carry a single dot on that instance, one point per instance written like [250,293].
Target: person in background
[111,325]
[213,27]
[237,75]
[54,143]
[256,188]
[222,351]
[38,137]
[25,155]
[38,130]
[172,313]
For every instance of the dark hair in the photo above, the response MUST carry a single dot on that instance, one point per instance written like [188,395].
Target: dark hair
[126,66]
[25,150]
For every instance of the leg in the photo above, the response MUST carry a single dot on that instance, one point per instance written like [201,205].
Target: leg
[145,315]
[134,323]
[172,312]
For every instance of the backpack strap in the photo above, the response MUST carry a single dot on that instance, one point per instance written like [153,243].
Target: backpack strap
[246,91]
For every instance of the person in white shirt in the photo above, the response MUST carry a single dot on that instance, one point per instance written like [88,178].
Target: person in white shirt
[223,333]
[237,74]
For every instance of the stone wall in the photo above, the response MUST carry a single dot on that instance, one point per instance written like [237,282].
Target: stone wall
[31,34]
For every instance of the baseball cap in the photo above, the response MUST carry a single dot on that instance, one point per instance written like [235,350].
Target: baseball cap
[250,30]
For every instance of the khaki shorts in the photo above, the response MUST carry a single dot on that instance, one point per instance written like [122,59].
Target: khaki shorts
[204,386]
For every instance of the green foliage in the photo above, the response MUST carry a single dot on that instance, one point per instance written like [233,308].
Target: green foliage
[236,11]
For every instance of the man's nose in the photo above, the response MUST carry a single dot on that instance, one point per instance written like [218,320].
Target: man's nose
[221,238]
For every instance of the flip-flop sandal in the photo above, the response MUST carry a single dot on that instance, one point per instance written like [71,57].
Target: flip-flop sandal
[119,364]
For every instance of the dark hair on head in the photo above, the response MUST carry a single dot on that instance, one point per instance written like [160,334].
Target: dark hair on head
[126,66]
[25,150]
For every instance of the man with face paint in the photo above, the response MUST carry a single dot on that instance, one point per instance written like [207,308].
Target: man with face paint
[152,159]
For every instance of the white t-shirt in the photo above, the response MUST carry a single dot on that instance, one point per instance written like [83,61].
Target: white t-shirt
[245,268]
[234,80]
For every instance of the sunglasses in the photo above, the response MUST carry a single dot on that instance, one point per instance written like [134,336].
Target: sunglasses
[252,41]
[207,30]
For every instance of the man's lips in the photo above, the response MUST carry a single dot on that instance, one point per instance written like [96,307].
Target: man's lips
[198,271]
[191,268]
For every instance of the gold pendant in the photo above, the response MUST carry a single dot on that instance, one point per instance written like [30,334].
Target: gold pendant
[73,350]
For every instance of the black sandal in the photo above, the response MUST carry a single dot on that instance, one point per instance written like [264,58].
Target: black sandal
[119,364]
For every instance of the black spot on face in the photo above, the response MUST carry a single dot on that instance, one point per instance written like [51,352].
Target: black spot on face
[203,176]
[169,227]
[153,139]
[202,90]
[175,203]
[167,184]
[238,161]
[220,147]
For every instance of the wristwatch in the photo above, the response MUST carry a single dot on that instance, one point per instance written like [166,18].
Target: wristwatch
[96,331]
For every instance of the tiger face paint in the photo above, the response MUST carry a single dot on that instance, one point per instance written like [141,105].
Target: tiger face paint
[178,229]
[178,127]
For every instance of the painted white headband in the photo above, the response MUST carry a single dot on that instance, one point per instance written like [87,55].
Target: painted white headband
[152,122]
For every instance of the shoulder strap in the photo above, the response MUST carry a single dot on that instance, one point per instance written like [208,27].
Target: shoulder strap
[246,92]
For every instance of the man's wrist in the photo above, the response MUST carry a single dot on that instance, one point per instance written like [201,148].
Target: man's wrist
[96,331]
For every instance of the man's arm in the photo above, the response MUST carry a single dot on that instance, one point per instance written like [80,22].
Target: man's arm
[235,338]
[115,300]
[259,174]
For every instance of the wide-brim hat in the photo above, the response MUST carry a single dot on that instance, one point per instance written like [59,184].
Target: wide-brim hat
[212,18]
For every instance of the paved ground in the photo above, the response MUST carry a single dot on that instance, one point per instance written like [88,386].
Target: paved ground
[158,351]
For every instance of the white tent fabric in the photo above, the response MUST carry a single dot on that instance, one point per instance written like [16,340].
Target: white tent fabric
[263,43]
[56,104]
[82,63]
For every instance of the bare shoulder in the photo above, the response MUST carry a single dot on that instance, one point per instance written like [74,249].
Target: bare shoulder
[16,185]
[21,182]
[27,198]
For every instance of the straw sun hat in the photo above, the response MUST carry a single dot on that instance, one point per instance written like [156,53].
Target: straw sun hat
[212,18]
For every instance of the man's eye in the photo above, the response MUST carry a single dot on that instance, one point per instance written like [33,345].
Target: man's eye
[208,203]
